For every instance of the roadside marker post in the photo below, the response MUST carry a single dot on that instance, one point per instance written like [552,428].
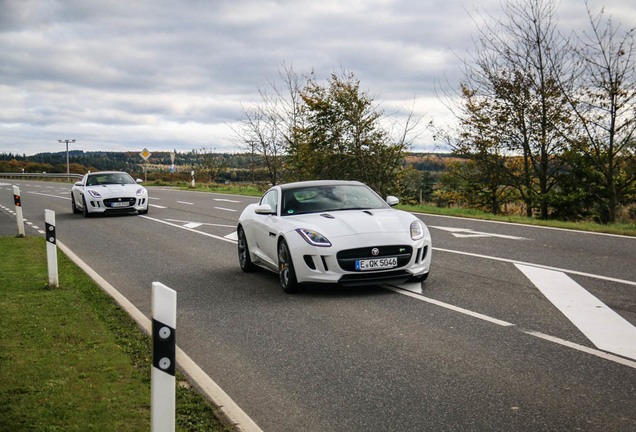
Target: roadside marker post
[51,248]
[18,210]
[164,323]
[192,174]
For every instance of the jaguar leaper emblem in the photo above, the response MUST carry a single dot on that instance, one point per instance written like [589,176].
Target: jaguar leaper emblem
[375,251]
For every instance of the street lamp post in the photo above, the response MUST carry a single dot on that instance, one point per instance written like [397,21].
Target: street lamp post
[67,164]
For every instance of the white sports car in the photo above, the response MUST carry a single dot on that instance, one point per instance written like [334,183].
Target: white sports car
[108,191]
[334,232]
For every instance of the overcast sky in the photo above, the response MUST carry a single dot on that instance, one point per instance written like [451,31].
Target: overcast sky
[123,75]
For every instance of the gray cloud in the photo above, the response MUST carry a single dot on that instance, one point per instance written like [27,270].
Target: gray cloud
[123,75]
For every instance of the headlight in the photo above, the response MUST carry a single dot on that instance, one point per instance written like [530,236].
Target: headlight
[140,191]
[417,229]
[94,194]
[313,238]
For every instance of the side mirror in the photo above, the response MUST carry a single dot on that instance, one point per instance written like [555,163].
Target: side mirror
[392,201]
[139,181]
[264,209]
[78,183]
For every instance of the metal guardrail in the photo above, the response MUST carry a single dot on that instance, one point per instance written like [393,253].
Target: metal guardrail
[41,175]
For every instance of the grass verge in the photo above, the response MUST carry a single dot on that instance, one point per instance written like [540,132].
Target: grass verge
[70,358]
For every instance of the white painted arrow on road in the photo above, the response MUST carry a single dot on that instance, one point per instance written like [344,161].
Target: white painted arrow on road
[601,325]
[468,233]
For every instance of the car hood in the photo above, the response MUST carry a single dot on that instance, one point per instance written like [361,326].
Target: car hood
[115,190]
[353,222]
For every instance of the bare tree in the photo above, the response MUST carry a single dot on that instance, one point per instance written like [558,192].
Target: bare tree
[604,101]
[268,127]
[515,68]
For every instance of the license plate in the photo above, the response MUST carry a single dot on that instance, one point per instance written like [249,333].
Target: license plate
[119,204]
[376,263]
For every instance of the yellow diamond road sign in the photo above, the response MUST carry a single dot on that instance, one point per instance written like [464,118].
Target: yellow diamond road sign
[145,153]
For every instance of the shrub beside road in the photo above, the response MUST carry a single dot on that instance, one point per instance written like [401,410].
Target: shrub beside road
[70,358]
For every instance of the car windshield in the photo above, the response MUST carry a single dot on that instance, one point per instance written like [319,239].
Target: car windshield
[329,198]
[111,178]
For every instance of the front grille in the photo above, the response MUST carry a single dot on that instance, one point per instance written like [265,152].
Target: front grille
[357,279]
[108,203]
[347,258]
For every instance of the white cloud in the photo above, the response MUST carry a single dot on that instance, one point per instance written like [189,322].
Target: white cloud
[123,75]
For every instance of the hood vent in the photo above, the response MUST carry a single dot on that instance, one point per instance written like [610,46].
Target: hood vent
[327,215]
[367,212]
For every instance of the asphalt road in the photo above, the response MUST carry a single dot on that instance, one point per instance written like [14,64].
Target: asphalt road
[477,347]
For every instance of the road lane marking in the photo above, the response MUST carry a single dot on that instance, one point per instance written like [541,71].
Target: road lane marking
[582,348]
[450,306]
[226,209]
[232,236]
[590,275]
[188,229]
[226,200]
[606,329]
[157,206]
[458,309]
[526,225]
[48,195]
[188,223]
[185,202]
[553,339]
[469,233]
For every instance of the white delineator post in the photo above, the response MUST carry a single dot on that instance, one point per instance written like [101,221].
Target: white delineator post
[51,247]
[164,323]
[18,210]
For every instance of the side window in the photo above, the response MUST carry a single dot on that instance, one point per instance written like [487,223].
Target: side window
[271,198]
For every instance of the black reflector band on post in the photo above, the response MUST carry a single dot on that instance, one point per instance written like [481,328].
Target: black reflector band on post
[50,233]
[163,347]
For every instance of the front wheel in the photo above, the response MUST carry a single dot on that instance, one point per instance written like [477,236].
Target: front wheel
[244,253]
[286,272]
[84,208]
[73,206]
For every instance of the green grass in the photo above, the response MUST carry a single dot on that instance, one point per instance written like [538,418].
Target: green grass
[70,358]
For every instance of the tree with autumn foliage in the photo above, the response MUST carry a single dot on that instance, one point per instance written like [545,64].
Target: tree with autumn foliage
[341,137]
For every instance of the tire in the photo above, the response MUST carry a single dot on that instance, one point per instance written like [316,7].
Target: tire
[286,272]
[142,212]
[85,208]
[73,206]
[244,253]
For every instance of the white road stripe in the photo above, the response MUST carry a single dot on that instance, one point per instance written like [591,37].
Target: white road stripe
[192,225]
[226,209]
[601,325]
[582,348]
[185,202]
[232,236]
[225,200]
[590,275]
[467,233]
[188,229]
[156,206]
[451,307]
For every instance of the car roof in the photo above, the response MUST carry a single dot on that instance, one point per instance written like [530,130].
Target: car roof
[315,183]
[107,172]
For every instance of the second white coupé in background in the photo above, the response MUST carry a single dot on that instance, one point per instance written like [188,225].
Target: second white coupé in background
[108,192]
[332,232]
